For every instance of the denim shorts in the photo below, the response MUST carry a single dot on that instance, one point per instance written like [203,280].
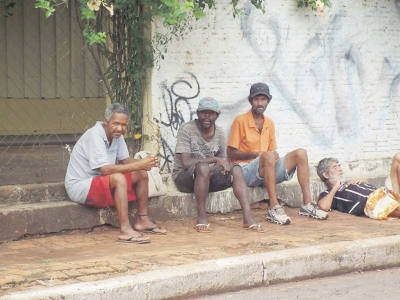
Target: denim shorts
[250,172]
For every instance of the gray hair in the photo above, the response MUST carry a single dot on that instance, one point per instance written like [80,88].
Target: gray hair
[323,166]
[115,108]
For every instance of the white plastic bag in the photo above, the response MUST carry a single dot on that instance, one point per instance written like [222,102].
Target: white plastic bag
[156,185]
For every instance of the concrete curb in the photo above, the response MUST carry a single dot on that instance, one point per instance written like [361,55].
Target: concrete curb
[229,274]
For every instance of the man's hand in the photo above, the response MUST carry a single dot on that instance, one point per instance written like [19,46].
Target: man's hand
[149,162]
[276,155]
[337,185]
[227,168]
[224,164]
[130,164]
[325,203]
[358,180]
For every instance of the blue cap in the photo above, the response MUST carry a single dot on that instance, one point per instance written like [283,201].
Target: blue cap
[208,103]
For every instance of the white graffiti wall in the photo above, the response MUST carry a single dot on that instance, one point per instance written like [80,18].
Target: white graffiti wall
[334,77]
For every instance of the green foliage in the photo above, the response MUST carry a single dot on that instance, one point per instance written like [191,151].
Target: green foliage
[48,5]
[93,37]
[314,4]
[87,14]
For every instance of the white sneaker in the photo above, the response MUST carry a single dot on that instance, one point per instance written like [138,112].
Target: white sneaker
[277,215]
[313,211]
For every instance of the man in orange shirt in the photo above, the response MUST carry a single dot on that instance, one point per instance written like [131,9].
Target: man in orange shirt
[252,145]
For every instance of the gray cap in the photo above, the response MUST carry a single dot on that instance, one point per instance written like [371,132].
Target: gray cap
[208,103]
[260,89]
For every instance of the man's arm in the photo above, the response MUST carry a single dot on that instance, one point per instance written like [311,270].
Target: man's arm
[130,164]
[325,203]
[188,161]
[236,154]
[235,140]
[238,137]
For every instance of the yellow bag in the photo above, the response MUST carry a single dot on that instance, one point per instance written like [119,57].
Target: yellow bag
[381,203]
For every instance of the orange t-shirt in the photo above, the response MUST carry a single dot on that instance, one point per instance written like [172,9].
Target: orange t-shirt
[245,136]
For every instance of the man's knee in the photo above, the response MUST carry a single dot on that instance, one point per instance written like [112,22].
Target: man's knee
[202,170]
[268,158]
[396,158]
[301,154]
[236,170]
[139,175]
[117,179]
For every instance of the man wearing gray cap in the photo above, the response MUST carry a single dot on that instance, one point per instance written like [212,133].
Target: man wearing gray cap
[252,145]
[201,166]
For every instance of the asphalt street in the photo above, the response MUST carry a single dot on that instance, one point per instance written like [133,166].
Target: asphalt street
[370,285]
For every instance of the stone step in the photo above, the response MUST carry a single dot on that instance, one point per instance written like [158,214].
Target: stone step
[29,218]
[42,209]
[53,192]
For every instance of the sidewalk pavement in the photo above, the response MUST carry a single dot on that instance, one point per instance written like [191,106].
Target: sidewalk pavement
[185,263]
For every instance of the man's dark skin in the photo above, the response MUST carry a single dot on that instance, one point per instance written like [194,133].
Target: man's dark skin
[206,125]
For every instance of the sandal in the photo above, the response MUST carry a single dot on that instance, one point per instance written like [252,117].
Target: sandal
[255,227]
[203,228]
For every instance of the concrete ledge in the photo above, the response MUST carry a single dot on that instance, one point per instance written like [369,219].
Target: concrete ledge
[32,193]
[23,219]
[230,274]
[38,209]
[19,220]
[26,217]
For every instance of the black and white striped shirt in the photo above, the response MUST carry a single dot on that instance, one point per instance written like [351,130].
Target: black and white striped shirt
[352,198]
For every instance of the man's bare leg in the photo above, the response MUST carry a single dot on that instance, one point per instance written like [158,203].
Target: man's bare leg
[266,167]
[119,185]
[395,173]
[298,158]
[201,189]
[240,190]
[140,182]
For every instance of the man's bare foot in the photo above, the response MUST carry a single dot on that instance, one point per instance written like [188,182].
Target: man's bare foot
[132,236]
[135,240]
[203,228]
[144,224]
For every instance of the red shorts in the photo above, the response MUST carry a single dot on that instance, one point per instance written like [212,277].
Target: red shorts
[100,194]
